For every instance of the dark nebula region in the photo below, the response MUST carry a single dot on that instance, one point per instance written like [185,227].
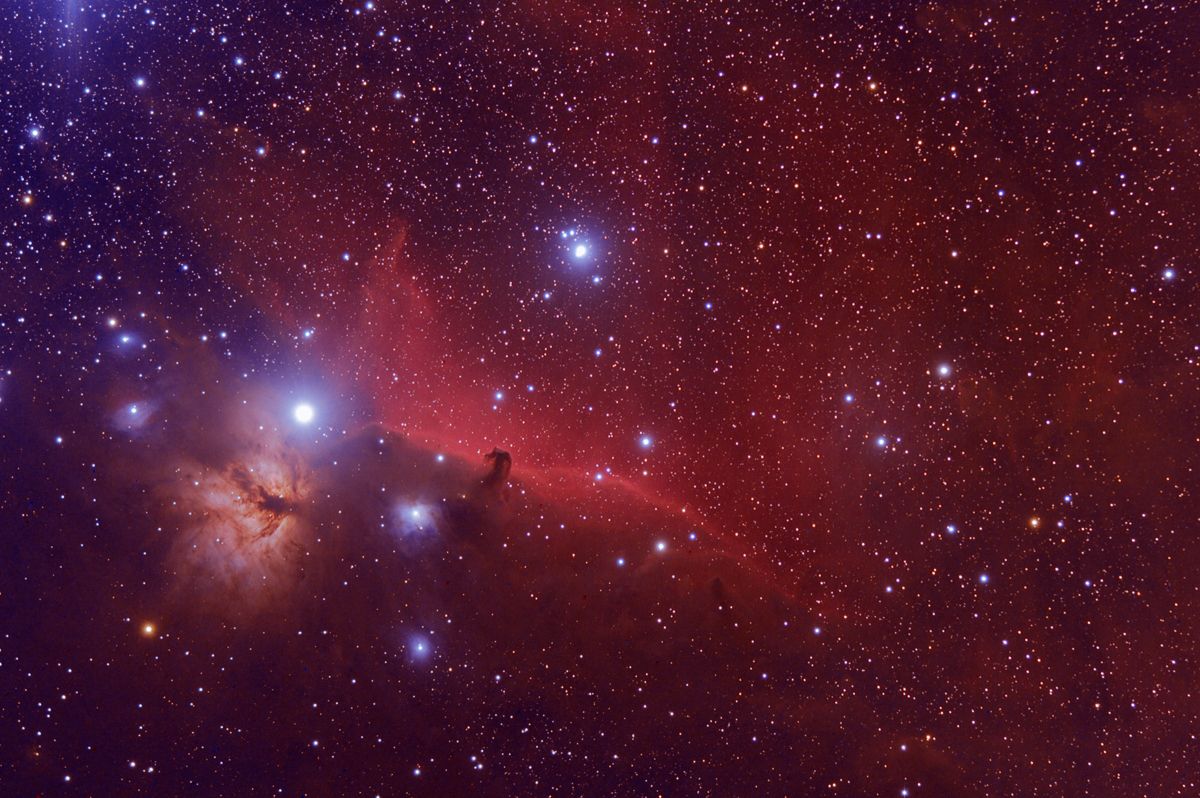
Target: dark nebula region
[615,399]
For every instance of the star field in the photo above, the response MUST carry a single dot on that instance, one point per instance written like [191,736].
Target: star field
[616,399]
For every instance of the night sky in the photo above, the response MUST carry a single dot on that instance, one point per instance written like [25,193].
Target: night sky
[629,399]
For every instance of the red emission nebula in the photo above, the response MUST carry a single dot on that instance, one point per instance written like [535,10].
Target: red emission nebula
[617,399]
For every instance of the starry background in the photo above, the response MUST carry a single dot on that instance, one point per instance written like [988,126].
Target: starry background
[846,355]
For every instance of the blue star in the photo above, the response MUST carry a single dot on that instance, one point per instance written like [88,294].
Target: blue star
[304,413]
